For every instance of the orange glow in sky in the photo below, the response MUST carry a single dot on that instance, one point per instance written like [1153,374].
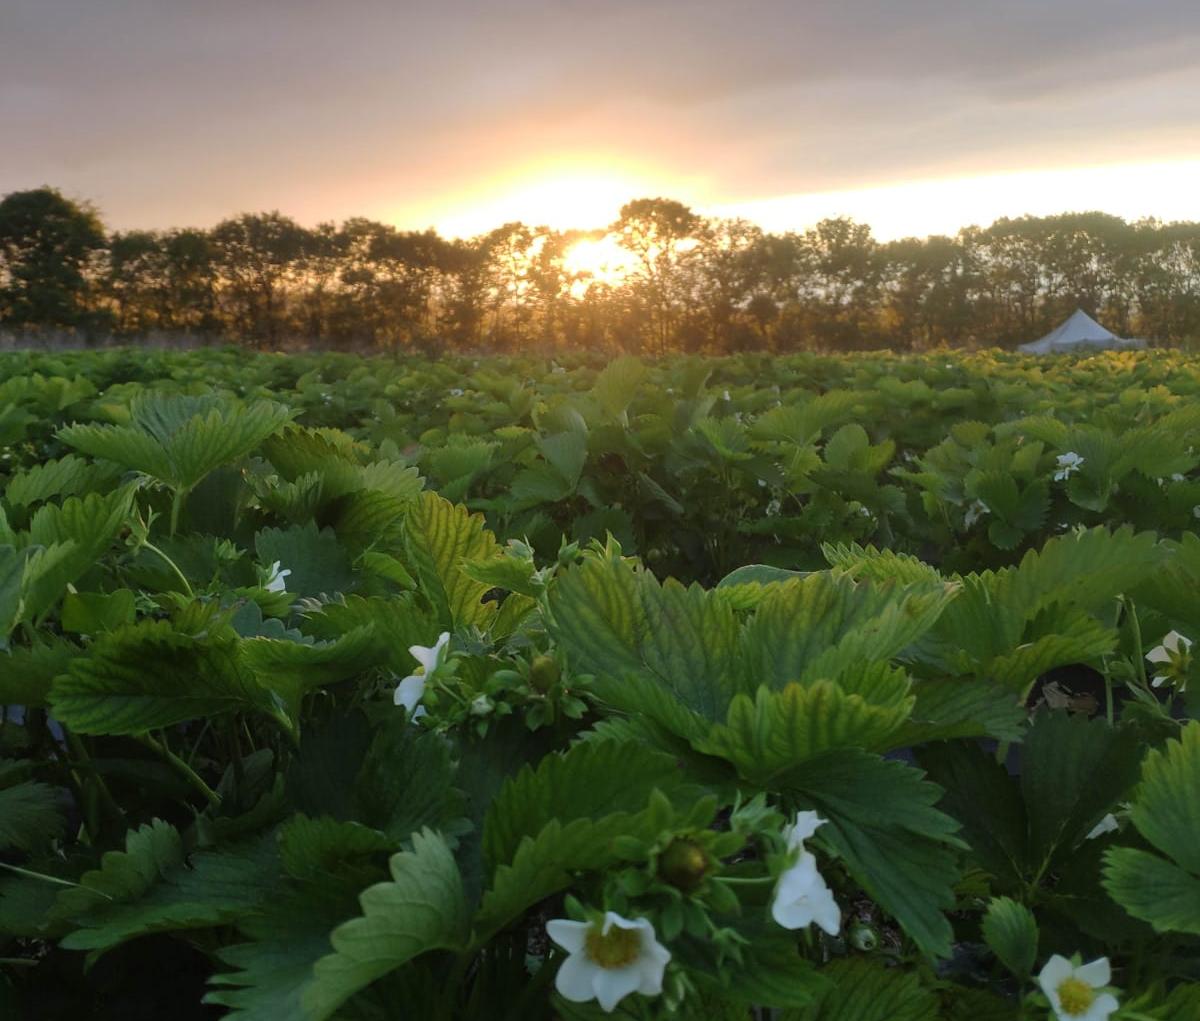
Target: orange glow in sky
[589,198]
[579,196]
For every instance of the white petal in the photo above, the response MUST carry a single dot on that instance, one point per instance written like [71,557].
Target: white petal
[409,692]
[1158,680]
[804,826]
[569,935]
[426,657]
[799,879]
[650,943]
[651,967]
[1105,1004]
[1159,654]
[574,979]
[826,912]
[611,918]
[430,656]
[1052,975]
[1106,825]
[795,914]
[612,985]
[1096,974]
[794,907]
[275,578]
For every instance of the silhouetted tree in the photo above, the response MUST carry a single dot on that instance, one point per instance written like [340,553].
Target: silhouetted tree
[664,236]
[926,287]
[47,249]
[690,282]
[136,280]
[730,267]
[832,274]
[257,256]
[508,253]
[190,282]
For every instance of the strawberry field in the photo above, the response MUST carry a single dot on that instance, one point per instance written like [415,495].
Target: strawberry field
[807,689]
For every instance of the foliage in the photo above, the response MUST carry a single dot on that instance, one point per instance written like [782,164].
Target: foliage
[212,587]
[1163,892]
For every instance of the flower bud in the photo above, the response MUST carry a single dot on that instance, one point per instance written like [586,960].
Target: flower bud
[684,864]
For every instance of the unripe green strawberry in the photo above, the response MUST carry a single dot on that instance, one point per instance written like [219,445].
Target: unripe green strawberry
[863,936]
[684,864]
[543,672]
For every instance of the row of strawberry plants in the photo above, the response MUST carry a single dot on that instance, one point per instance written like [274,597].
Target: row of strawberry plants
[702,465]
[271,699]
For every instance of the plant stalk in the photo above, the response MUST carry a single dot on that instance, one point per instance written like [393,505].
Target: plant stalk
[181,767]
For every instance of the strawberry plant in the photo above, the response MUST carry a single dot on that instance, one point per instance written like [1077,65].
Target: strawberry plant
[654,691]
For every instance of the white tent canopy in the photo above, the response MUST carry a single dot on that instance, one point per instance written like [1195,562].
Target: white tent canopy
[1079,331]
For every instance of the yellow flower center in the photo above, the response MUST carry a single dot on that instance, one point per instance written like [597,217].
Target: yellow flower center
[614,949]
[1076,996]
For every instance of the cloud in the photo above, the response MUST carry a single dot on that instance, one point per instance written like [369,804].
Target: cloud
[169,111]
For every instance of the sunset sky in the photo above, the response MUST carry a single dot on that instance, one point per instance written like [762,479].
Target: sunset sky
[916,116]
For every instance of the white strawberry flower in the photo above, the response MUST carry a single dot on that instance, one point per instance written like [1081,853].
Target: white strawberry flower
[1175,654]
[608,959]
[1068,464]
[977,510]
[275,578]
[410,690]
[1076,991]
[801,895]
[1106,825]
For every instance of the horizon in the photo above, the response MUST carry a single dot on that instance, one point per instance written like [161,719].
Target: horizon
[917,121]
[868,207]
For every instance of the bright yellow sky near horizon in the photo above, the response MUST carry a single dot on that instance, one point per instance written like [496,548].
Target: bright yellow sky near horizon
[590,198]
[564,194]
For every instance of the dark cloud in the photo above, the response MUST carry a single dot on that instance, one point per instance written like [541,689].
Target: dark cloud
[168,111]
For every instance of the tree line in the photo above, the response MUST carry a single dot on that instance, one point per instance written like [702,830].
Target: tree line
[685,282]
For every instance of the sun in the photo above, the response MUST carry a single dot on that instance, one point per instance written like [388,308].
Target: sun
[561,198]
[597,261]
